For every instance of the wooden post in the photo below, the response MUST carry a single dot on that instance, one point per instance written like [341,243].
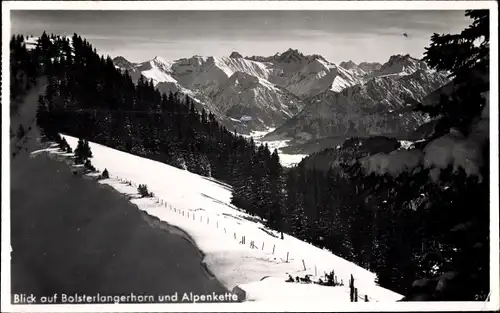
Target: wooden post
[355,294]
[351,288]
[274,246]
[287,257]
[304,263]
[263,246]
[224,230]
[208,220]
[217,224]
[315,271]
[234,235]
[366,298]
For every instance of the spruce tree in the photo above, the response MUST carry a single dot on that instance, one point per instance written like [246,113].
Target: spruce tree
[466,57]
[80,153]
[86,149]
[105,173]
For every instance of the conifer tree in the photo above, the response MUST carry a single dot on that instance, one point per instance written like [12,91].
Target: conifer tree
[105,173]
[81,152]
[466,57]
[86,148]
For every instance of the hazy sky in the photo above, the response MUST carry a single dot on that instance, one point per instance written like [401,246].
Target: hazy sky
[337,35]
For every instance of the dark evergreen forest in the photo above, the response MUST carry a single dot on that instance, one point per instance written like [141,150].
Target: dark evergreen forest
[368,219]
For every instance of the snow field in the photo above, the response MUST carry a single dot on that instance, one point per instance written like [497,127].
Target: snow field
[237,248]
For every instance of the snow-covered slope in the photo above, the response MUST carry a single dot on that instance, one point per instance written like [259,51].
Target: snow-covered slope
[256,101]
[354,69]
[362,71]
[380,106]
[201,207]
[400,65]
[306,75]
[231,87]
[208,73]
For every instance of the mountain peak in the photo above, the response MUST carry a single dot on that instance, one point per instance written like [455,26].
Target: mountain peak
[404,59]
[158,58]
[401,64]
[348,65]
[235,55]
[369,66]
[120,61]
[398,57]
[290,55]
[161,63]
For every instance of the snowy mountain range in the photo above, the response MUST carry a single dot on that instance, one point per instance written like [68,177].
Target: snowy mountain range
[303,96]
[381,105]
[246,93]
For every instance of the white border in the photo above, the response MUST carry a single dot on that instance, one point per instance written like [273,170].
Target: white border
[493,304]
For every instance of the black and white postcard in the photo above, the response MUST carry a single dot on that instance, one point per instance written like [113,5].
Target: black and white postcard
[249,156]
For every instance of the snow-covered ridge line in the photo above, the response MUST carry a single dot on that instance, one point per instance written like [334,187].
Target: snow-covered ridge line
[268,93]
[201,207]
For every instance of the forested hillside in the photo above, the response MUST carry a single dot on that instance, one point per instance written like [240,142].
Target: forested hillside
[405,225]
[419,218]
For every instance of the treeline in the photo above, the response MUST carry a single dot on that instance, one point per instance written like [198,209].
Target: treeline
[403,228]
[87,97]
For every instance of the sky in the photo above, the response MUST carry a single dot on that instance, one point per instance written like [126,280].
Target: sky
[371,36]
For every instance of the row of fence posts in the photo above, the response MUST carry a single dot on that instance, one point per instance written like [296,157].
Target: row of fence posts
[353,290]
[243,239]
